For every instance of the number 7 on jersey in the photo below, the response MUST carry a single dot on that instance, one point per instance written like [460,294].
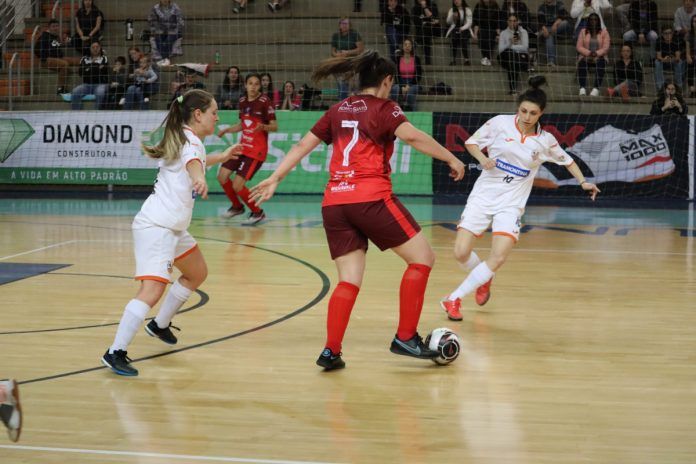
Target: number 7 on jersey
[353,140]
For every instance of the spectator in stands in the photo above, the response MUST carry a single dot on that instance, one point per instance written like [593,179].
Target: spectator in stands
[487,22]
[292,101]
[642,16]
[49,50]
[276,5]
[268,90]
[185,80]
[94,70]
[621,10]
[345,42]
[668,57]
[460,21]
[240,6]
[669,100]
[408,77]
[593,46]
[357,6]
[143,86]
[397,23]
[682,18]
[118,78]
[89,27]
[628,75]
[553,21]
[582,9]
[426,20]
[690,52]
[167,29]
[513,49]
[231,90]
[134,55]
[519,9]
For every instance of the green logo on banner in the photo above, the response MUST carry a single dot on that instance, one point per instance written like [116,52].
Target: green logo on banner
[13,133]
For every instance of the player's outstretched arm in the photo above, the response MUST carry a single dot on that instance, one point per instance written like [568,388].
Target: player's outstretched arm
[195,171]
[231,130]
[232,152]
[428,145]
[584,184]
[265,189]
[484,161]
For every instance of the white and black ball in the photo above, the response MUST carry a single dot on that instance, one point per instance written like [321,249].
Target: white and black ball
[445,342]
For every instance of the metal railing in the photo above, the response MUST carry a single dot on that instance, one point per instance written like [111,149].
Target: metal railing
[10,85]
[32,57]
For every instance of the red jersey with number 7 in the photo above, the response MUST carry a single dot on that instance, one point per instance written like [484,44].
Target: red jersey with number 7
[361,129]
[251,114]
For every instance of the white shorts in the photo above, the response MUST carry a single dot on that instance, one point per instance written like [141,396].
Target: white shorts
[505,222]
[156,249]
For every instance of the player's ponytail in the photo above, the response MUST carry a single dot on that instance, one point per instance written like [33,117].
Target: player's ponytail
[534,94]
[180,112]
[369,66]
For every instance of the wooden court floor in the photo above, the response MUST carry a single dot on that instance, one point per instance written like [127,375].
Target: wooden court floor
[586,352]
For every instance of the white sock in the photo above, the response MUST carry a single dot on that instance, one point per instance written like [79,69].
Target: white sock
[7,384]
[132,319]
[471,263]
[477,277]
[175,299]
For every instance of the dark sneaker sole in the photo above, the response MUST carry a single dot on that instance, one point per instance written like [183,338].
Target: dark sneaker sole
[152,334]
[117,371]
[331,366]
[397,349]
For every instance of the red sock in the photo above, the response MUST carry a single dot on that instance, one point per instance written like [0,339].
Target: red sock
[411,295]
[244,195]
[340,306]
[229,191]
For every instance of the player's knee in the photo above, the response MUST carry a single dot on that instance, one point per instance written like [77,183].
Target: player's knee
[462,254]
[222,178]
[495,261]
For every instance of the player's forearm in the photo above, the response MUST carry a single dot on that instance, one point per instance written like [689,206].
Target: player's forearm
[575,171]
[214,158]
[295,155]
[476,152]
[195,170]
[271,127]
[423,142]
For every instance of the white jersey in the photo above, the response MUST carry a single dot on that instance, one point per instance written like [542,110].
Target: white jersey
[517,159]
[170,204]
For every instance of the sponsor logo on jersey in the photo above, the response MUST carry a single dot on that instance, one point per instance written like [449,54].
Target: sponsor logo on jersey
[358,106]
[343,187]
[397,111]
[511,168]
[170,267]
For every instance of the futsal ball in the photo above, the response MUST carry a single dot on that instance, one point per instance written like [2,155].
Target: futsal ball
[445,342]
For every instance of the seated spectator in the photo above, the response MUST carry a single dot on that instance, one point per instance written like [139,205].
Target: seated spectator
[94,70]
[292,101]
[118,79]
[89,27]
[592,46]
[682,18]
[520,10]
[628,75]
[669,101]
[668,57]
[240,6]
[621,11]
[167,29]
[553,21]
[185,80]
[487,23]
[49,50]
[397,23]
[408,76]
[427,25]
[134,55]
[276,5]
[268,90]
[460,20]
[144,81]
[513,49]
[345,42]
[582,9]
[690,52]
[231,90]
[642,17]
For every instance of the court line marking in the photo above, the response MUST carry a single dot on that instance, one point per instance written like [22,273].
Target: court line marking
[38,249]
[156,455]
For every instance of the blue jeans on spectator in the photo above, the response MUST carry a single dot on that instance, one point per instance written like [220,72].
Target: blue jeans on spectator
[632,37]
[343,89]
[677,68]
[136,94]
[562,29]
[165,42]
[98,90]
[600,66]
[394,38]
[409,98]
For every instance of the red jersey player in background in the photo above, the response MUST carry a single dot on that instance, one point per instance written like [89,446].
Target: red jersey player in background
[256,120]
[358,201]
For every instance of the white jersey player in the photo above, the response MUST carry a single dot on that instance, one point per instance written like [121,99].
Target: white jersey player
[160,235]
[516,148]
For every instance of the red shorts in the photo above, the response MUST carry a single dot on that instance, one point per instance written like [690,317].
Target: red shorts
[387,223]
[243,166]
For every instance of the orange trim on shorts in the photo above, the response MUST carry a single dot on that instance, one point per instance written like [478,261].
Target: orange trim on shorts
[186,253]
[157,278]
[400,217]
[507,235]
[471,232]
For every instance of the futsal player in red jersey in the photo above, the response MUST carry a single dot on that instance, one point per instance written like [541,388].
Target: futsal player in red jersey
[256,120]
[358,201]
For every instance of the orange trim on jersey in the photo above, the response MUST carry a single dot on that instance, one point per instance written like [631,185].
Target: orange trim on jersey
[156,278]
[471,232]
[399,216]
[507,234]
[186,253]
[524,137]
[194,159]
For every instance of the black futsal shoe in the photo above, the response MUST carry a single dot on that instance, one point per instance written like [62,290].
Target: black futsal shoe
[330,361]
[413,347]
[119,362]
[165,334]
